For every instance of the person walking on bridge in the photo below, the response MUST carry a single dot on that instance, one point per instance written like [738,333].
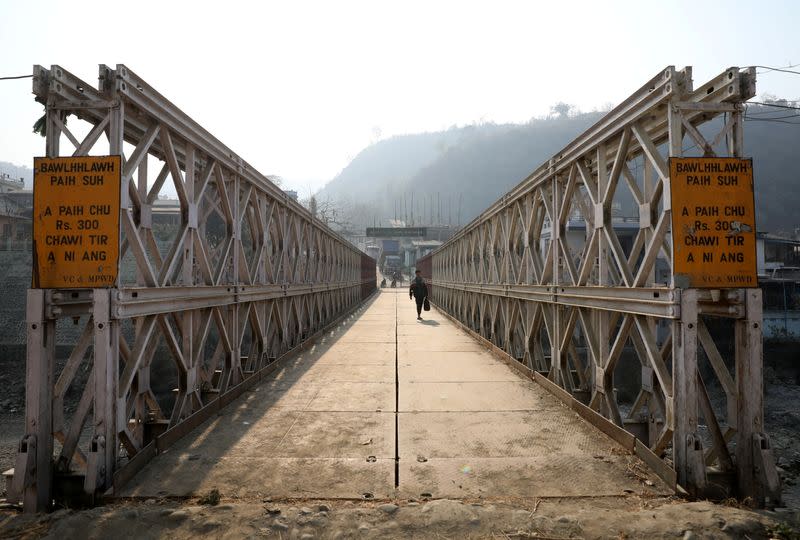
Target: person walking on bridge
[419,291]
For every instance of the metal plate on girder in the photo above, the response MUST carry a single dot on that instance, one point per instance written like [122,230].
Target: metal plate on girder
[358,353]
[474,396]
[325,434]
[274,477]
[360,373]
[420,348]
[354,396]
[499,434]
[556,475]
[464,368]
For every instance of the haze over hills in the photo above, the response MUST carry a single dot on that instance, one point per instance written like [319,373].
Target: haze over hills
[455,174]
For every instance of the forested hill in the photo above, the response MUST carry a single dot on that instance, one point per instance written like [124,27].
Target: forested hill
[470,167]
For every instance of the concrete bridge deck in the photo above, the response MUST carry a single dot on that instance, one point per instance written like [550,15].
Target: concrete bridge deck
[386,406]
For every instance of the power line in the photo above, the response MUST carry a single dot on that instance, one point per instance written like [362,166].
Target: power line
[773,117]
[775,121]
[748,119]
[782,70]
[793,108]
[16,77]
[761,113]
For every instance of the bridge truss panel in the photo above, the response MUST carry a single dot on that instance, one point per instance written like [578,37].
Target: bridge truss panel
[210,293]
[553,277]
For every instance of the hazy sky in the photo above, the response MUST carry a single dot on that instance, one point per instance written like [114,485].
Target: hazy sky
[299,88]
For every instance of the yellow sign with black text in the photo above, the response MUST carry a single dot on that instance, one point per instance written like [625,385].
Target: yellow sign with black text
[76,222]
[713,222]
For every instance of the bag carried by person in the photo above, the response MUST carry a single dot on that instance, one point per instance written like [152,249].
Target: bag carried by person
[426,305]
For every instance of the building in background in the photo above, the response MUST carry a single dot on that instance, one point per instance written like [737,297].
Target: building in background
[16,213]
[778,265]
[404,244]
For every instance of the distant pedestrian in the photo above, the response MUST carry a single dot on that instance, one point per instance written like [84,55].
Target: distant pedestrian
[419,291]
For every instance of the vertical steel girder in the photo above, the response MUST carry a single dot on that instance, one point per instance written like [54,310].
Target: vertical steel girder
[569,305]
[221,303]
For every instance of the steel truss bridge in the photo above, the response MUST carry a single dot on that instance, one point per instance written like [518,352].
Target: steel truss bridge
[249,278]
[223,304]
[566,311]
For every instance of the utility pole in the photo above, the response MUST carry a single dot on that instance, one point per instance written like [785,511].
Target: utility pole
[449,210]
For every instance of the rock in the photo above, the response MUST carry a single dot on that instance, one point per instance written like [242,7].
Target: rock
[131,514]
[475,521]
[307,536]
[273,510]
[520,516]
[207,527]
[388,508]
[59,514]
[179,515]
[412,504]
[446,511]
[280,526]
[318,521]
[363,528]
[324,508]
[689,535]
[739,528]
[150,501]
[305,511]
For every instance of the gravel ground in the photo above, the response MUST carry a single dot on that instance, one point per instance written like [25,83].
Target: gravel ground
[607,517]
[782,419]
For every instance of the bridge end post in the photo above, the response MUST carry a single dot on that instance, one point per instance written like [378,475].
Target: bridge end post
[686,443]
[33,474]
[757,477]
[104,446]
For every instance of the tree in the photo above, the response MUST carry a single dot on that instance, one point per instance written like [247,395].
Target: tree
[561,109]
[312,205]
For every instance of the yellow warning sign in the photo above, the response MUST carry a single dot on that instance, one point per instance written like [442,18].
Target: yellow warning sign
[713,222]
[76,222]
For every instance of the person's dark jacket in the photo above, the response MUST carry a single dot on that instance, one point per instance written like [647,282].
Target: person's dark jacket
[418,289]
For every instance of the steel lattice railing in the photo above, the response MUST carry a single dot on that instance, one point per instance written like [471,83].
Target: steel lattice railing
[543,276]
[244,275]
